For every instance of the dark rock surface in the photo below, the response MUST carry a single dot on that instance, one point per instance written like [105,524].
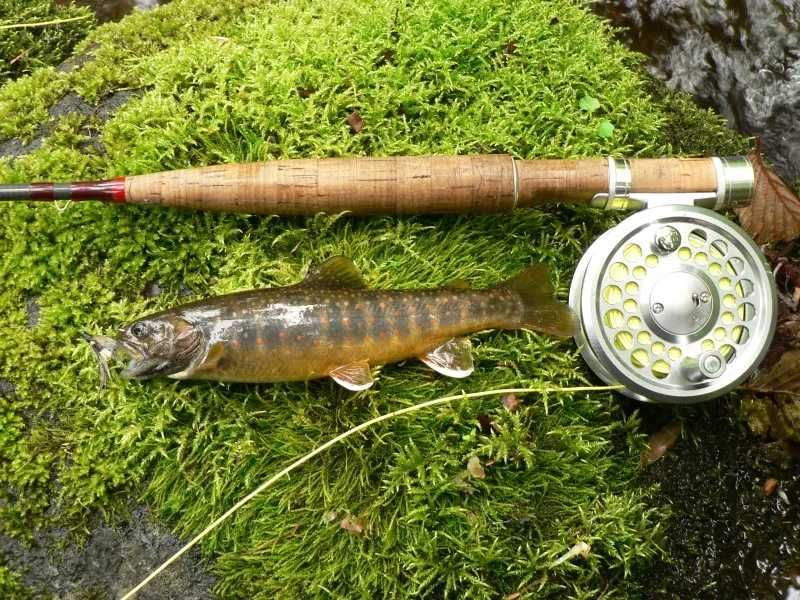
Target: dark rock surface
[113,560]
[738,56]
[727,537]
[70,104]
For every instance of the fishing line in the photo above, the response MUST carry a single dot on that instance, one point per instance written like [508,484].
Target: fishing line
[44,23]
[332,442]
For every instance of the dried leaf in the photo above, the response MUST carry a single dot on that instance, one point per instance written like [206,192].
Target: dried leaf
[305,92]
[511,402]
[486,425]
[769,486]
[475,468]
[660,442]
[352,525]
[782,378]
[386,57]
[774,213]
[355,121]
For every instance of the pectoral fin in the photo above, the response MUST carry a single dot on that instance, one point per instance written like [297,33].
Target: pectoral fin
[355,376]
[453,358]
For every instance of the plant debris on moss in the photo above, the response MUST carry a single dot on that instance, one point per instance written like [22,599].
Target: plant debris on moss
[397,512]
[23,49]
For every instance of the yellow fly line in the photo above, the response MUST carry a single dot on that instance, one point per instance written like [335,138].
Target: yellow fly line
[44,23]
[332,442]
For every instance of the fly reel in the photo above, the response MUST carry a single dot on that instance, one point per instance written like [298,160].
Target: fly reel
[676,303]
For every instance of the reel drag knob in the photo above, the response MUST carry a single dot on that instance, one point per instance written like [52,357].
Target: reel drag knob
[676,303]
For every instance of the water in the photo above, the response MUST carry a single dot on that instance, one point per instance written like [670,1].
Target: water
[114,10]
[738,56]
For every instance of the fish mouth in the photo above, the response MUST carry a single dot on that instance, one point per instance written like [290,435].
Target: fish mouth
[106,349]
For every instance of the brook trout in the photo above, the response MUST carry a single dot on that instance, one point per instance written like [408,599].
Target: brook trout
[330,325]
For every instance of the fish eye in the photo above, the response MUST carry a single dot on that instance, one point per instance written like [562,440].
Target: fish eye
[139,329]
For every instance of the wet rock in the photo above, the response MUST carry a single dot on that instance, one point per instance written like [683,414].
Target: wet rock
[15,147]
[726,538]
[113,560]
[738,56]
[33,312]
[77,61]
[70,104]
[152,290]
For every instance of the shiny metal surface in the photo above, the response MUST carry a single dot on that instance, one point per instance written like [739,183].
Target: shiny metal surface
[660,323]
[735,181]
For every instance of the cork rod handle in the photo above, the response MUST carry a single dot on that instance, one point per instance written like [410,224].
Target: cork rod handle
[406,185]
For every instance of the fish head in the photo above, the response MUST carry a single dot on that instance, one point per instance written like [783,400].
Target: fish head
[159,345]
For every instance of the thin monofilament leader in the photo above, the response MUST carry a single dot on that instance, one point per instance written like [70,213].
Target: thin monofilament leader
[332,442]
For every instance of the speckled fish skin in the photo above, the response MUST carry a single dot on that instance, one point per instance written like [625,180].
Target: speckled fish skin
[311,329]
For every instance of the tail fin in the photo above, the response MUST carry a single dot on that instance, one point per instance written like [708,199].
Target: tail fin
[540,311]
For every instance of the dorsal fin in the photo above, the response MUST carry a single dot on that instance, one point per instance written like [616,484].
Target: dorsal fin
[458,284]
[336,272]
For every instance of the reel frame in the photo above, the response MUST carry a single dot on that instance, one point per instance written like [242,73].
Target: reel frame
[676,303]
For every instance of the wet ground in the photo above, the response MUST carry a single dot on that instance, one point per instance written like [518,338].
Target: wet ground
[732,534]
[111,562]
[737,56]
[114,10]
[727,538]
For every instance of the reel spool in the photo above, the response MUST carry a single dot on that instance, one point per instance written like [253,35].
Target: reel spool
[676,303]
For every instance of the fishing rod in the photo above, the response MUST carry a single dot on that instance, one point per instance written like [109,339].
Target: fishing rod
[676,303]
[417,185]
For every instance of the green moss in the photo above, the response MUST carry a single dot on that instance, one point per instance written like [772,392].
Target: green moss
[463,76]
[24,49]
[11,585]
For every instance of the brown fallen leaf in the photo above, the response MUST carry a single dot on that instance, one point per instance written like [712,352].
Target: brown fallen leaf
[18,57]
[511,402]
[352,525]
[486,425]
[305,92]
[781,378]
[769,486]
[475,467]
[774,213]
[355,121]
[660,442]
[385,57]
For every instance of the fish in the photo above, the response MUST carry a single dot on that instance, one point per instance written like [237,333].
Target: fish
[329,325]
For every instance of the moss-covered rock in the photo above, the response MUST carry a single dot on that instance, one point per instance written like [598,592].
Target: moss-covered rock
[236,81]
[23,49]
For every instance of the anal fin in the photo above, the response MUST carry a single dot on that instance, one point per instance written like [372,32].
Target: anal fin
[453,358]
[355,376]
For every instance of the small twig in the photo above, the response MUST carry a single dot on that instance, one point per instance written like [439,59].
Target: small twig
[44,23]
[18,57]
